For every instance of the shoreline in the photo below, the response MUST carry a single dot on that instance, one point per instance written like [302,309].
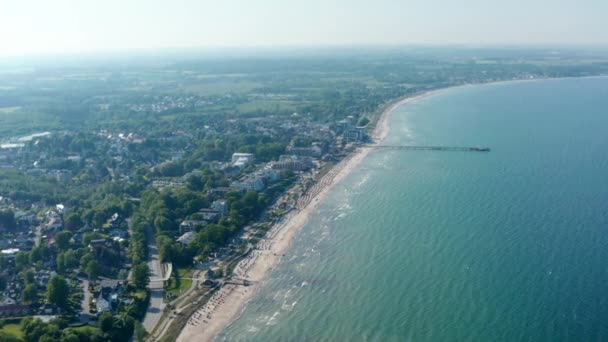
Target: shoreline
[228,303]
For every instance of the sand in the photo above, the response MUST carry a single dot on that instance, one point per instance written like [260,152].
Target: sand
[226,304]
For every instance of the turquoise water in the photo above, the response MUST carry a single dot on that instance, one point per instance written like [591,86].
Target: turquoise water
[510,245]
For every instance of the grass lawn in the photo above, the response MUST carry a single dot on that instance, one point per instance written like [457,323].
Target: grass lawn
[177,285]
[13,330]
[89,330]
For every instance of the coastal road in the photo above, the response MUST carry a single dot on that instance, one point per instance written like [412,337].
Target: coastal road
[155,309]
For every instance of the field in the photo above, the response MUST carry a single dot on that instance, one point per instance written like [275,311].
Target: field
[177,285]
[12,330]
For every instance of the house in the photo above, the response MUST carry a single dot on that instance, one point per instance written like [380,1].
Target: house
[210,215]
[268,175]
[96,245]
[222,191]
[23,242]
[109,291]
[230,170]
[186,238]
[249,184]
[102,304]
[13,310]
[54,224]
[221,206]
[190,225]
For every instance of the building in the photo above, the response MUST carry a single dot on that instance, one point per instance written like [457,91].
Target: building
[210,215]
[221,206]
[186,238]
[14,310]
[9,253]
[246,157]
[97,244]
[230,170]
[268,175]
[293,163]
[190,225]
[222,191]
[356,134]
[249,184]
[54,224]
[314,151]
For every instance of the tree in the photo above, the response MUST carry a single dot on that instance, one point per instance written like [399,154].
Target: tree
[141,275]
[73,222]
[29,295]
[139,332]
[58,291]
[22,259]
[28,276]
[60,262]
[70,337]
[85,259]
[63,240]
[93,269]
[36,254]
[7,220]
[106,322]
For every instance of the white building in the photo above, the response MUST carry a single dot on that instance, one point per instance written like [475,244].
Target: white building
[249,184]
[244,157]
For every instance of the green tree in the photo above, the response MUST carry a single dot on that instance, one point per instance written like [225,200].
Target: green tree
[141,275]
[106,322]
[139,332]
[93,269]
[73,222]
[22,260]
[70,337]
[61,262]
[58,292]
[36,254]
[85,259]
[63,240]
[29,295]
[27,276]
[7,220]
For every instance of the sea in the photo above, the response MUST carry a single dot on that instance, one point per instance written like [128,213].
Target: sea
[506,245]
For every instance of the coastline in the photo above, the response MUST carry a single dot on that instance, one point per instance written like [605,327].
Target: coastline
[227,304]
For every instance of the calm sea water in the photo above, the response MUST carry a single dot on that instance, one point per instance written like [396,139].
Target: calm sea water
[510,245]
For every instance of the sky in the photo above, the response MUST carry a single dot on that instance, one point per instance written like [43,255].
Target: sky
[55,26]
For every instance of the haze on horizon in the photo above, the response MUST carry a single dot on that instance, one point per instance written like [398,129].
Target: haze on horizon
[32,27]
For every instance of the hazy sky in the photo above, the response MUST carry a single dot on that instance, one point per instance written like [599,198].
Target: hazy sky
[28,26]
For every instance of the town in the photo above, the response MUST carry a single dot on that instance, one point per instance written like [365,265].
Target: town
[130,200]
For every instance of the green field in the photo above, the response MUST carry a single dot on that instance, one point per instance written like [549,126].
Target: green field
[12,330]
[177,285]
[265,105]
[221,87]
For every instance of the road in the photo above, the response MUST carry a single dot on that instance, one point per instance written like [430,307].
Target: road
[85,314]
[155,310]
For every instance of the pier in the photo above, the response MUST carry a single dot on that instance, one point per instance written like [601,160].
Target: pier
[430,148]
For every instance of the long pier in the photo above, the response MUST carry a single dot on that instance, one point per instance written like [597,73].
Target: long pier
[430,148]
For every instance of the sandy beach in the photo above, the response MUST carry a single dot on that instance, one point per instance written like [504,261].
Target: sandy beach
[227,303]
